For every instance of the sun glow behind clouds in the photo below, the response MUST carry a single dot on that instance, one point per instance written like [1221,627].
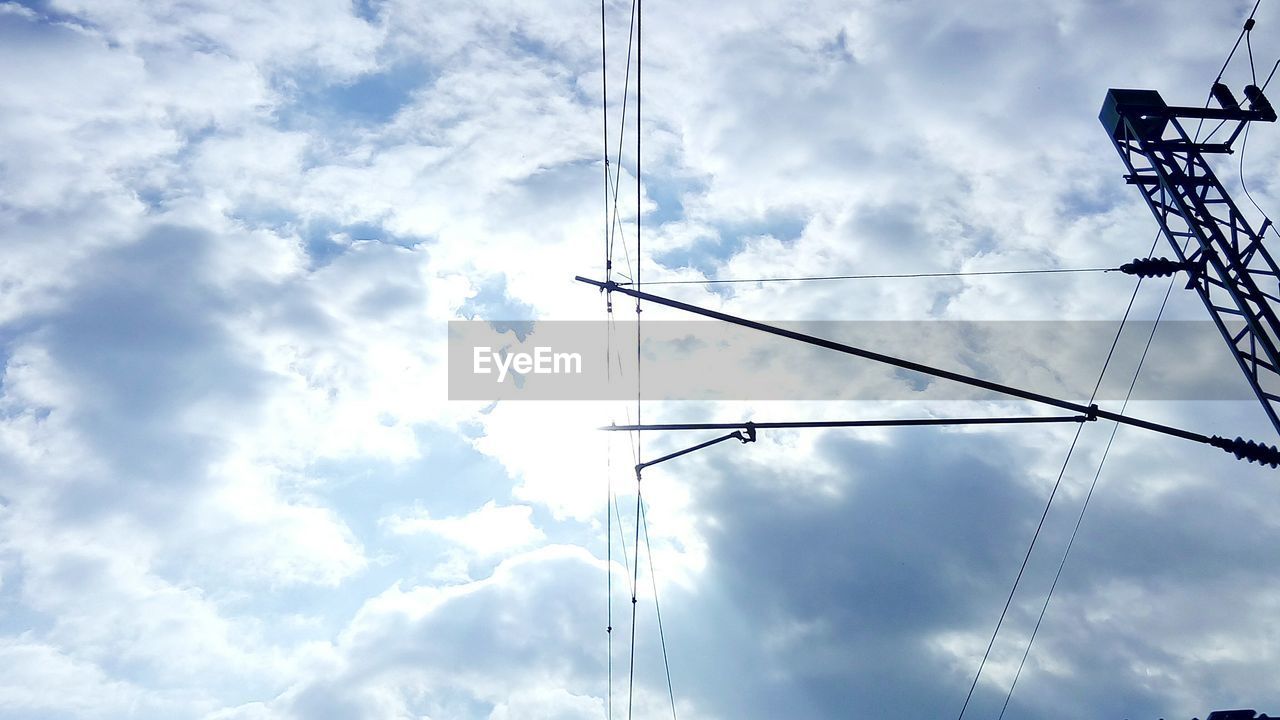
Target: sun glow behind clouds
[487,531]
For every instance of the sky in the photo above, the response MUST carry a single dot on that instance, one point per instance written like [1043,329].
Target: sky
[232,483]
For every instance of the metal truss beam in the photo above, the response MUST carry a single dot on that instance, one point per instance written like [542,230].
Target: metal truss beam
[1240,279]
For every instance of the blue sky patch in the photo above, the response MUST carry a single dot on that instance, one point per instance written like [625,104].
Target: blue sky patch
[706,255]
[369,99]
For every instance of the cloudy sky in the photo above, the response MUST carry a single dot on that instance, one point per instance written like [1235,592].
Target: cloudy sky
[232,484]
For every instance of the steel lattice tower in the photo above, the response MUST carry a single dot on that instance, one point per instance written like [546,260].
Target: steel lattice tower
[1228,263]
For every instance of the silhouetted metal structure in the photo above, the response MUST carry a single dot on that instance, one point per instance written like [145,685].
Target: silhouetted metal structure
[1260,453]
[1225,259]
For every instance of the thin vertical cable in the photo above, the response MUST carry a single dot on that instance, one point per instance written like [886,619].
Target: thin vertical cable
[608,270]
[657,609]
[1243,31]
[604,117]
[1026,558]
[1053,493]
[1270,75]
[608,512]
[1085,505]
[622,122]
[639,67]
[1097,474]
[1253,70]
[635,581]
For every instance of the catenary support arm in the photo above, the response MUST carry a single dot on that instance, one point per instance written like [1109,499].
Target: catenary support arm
[904,422]
[1243,449]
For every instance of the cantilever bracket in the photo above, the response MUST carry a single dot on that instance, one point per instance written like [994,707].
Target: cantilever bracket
[1149,115]
[747,437]
[1245,450]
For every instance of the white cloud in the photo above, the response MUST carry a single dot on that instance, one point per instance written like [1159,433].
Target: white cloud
[233,233]
[489,530]
[513,640]
[323,34]
[40,680]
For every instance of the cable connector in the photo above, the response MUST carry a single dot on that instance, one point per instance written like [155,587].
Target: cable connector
[1260,453]
[1152,267]
[750,437]
[1259,103]
[1164,267]
[1223,95]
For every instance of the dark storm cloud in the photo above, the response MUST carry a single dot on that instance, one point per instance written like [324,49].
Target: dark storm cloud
[844,571]
[917,538]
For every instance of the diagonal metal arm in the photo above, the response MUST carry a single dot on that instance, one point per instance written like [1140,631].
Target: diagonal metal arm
[749,436]
[1243,449]
[903,422]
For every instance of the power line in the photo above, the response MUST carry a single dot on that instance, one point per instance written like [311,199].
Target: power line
[1245,34]
[1253,70]
[1004,611]
[614,226]
[637,11]
[604,117]
[1243,449]
[608,269]
[1271,74]
[622,123]
[1244,144]
[613,230]
[635,580]
[1053,493]
[880,276]
[1106,452]
[1248,25]
[657,609]
[827,424]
